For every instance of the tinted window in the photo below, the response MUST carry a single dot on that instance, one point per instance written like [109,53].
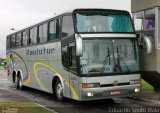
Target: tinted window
[42,33]
[33,35]
[72,57]
[8,42]
[65,56]
[52,31]
[12,41]
[103,22]
[67,26]
[25,36]
[18,40]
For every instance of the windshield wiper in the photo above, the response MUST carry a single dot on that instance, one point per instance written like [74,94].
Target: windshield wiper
[106,60]
[122,59]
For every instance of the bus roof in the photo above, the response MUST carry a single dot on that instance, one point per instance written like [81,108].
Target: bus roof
[108,10]
[70,12]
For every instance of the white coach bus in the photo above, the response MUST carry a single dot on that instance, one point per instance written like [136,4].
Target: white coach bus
[85,54]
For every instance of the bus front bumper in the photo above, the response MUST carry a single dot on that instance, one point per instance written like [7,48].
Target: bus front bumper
[109,92]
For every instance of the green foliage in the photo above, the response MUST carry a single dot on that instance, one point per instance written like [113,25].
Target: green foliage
[146,86]
[1,63]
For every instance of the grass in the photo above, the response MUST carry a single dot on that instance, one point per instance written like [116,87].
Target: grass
[146,86]
[21,107]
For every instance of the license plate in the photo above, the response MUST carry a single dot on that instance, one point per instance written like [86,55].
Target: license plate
[115,92]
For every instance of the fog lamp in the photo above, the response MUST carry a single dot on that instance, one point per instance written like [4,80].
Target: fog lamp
[90,94]
[136,90]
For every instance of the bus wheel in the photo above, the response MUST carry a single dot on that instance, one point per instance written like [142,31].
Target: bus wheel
[16,82]
[59,90]
[19,85]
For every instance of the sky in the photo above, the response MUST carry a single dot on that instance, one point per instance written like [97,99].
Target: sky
[19,14]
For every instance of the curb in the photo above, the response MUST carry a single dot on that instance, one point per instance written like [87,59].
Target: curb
[46,108]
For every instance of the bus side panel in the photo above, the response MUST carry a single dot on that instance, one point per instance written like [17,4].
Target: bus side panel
[57,69]
[75,85]
[16,63]
[10,69]
[39,64]
[42,71]
[40,76]
[63,75]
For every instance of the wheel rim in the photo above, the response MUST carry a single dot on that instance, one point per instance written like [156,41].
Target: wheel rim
[59,90]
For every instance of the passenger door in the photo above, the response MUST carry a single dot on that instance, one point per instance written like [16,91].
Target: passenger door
[73,70]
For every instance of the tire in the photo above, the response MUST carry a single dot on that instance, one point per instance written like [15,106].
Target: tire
[59,90]
[16,82]
[19,85]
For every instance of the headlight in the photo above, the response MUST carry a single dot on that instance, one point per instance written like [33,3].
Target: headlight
[135,82]
[90,85]
[136,90]
[90,94]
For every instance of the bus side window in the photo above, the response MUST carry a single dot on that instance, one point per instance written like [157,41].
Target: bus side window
[18,39]
[65,56]
[42,33]
[52,31]
[33,35]
[72,57]
[8,42]
[58,21]
[25,38]
[67,26]
[13,41]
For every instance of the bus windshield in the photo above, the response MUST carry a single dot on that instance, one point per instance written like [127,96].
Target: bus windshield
[109,56]
[103,22]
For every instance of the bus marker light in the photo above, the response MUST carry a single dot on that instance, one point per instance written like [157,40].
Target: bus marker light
[84,85]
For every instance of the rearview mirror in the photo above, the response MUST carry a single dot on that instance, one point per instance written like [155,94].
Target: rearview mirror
[148,44]
[145,39]
[79,45]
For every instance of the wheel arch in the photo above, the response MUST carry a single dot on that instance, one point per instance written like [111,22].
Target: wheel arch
[54,82]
